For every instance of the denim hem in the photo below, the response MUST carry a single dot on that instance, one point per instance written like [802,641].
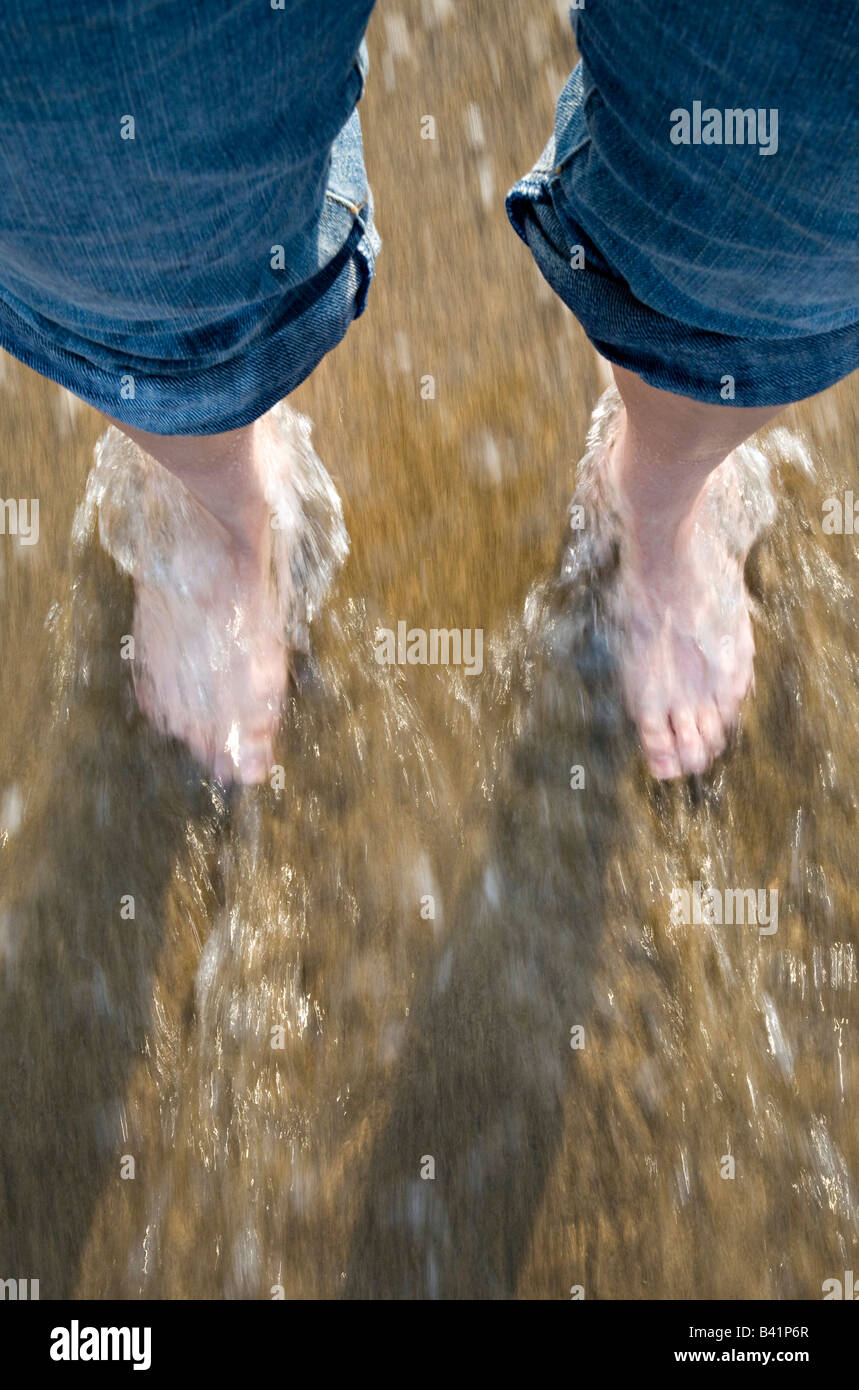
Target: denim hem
[665,352]
[196,273]
[180,398]
[577,254]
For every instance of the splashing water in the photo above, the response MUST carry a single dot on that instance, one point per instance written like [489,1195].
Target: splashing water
[196,647]
[157,533]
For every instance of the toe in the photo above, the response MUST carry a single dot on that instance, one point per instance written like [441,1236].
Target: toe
[659,747]
[691,750]
[255,767]
[711,730]
[223,768]
[253,758]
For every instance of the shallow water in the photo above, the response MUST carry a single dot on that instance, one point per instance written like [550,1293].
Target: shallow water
[408,1037]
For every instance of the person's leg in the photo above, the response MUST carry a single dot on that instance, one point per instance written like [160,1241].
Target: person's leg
[708,271]
[689,652]
[222,471]
[222,697]
[186,274]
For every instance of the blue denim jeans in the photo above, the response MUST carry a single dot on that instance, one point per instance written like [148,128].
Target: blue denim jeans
[186,226]
[720,270]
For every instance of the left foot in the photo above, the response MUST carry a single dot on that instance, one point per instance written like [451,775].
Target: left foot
[211,670]
[210,660]
[688,654]
[232,542]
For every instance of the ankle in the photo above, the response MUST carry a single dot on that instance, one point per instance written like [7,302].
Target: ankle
[247,528]
[226,474]
[658,498]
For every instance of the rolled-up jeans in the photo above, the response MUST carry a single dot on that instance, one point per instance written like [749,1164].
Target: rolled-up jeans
[186,226]
[697,205]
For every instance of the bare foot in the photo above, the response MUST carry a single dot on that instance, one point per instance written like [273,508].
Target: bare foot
[232,542]
[688,654]
[211,667]
[210,661]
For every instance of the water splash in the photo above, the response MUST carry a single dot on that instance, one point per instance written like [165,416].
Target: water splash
[158,533]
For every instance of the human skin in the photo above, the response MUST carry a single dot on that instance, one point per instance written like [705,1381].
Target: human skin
[687,660]
[244,669]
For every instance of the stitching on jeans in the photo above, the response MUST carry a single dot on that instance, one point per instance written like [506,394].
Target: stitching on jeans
[345,202]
